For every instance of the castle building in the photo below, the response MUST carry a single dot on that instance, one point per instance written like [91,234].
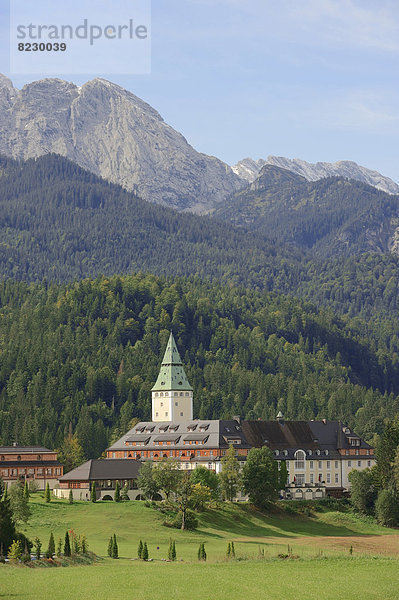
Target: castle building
[172,395]
[319,455]
[29,463]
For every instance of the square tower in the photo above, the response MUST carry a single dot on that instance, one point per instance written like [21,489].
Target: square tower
[172,395]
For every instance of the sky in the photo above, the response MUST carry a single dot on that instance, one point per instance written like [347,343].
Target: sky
[310,79]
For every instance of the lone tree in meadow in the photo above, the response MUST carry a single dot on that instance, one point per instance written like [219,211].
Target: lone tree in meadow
[70,497]
[140,549]
[115,549]
[47,494]
[67,545]
[201,552]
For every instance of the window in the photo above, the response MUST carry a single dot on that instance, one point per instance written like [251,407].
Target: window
[328,478]
[311,478]
[3,457]
[181,394]
[156,394]
[320,464]
[328,464]
[369,463]
[156,414]
[368,452]
[311,464]
[349,463]
[336,477]
[176,404]
[347,452]
[161,403]
[299,459]
[300,479]
[39,457]
[357,452]
[181,414]
[161,394]
[336,464]
[18,458]
[166,414]
[359,463]
[187,393]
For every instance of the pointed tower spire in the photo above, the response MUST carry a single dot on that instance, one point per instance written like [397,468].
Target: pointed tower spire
[172,395]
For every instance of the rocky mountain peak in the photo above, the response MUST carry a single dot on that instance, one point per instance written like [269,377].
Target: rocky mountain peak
[249,170]
[113,133]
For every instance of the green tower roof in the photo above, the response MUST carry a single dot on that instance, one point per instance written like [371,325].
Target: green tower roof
[172,375]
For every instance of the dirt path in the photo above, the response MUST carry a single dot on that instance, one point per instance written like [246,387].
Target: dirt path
[385,545]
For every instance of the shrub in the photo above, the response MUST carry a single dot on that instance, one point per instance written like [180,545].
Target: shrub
[15,551]
[70,498]
[117,496]
[191,521]
[140,549]
[201,552]
[51,546]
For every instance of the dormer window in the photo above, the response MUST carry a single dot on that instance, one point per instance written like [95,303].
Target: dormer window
[310,452]
[326,452]
[276,453]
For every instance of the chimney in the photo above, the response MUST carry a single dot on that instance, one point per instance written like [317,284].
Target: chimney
[324,421]
[238,419]
[14,444]
[280,417]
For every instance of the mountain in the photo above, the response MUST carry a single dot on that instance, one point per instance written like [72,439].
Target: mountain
[112,133]
[61,222]
[249,170]
[327,217]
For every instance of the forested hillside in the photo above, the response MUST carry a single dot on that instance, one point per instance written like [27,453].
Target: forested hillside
[60,222]
[82,358]
[326,217]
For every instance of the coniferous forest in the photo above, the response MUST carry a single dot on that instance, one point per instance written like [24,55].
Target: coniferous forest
[83,357]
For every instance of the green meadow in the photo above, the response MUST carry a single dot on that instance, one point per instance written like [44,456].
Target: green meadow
[322,566]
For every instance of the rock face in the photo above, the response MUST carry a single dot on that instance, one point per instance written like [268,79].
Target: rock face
[249,169]
[114,134]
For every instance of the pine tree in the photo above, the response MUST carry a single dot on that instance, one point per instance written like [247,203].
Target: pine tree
[117,496]
[201,552]
[233,551]
[110,545]
[228,553]
[38,546]
[170,550]
[59,547]
[93,495]
[174,550]
[51,546]
[70,498]
[145,554]
[26,491]
[67,545]
[140,549]
[84,546]
[47,495]
[115,551]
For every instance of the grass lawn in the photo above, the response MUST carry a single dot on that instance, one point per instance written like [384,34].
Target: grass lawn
[324,570]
